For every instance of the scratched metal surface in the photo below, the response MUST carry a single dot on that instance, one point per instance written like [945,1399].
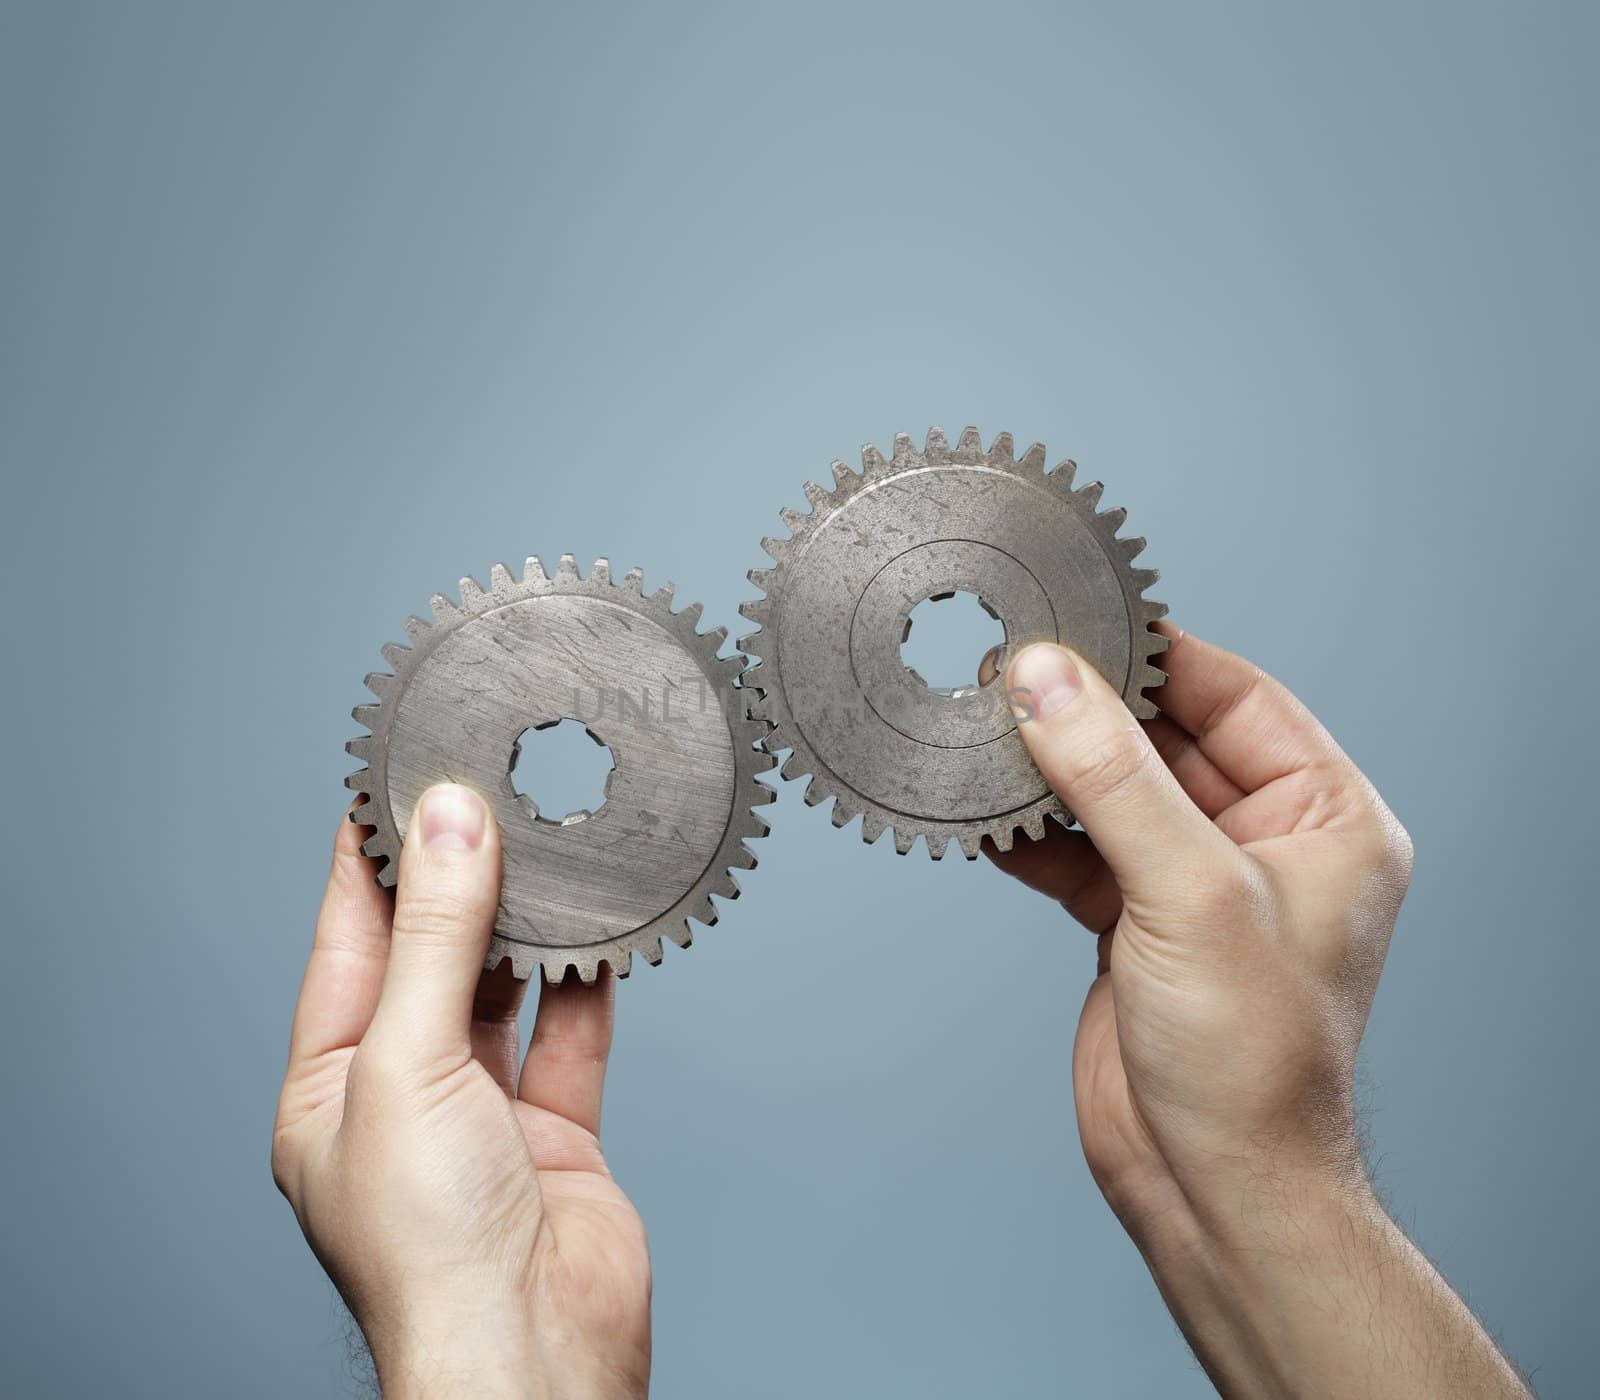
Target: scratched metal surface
[943,764]
[595,887]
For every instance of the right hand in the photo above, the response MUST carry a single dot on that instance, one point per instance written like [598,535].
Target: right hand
[1243,878]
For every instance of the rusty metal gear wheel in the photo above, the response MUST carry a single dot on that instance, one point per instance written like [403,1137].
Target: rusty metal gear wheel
[596,887]
[940,764]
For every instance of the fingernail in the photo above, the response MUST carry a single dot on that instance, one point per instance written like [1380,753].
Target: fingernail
[453,818]
[1047,678]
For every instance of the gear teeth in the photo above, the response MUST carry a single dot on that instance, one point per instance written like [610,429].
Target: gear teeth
[747,729]
[1144,578]
[1155,644]
[763,678]
[794,520]
[793,767]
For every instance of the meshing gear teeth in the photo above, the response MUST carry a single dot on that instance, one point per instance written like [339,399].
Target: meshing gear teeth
[942,765]
[523,654]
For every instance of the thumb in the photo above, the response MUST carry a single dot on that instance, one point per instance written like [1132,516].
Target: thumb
[444,912]
[1100,762]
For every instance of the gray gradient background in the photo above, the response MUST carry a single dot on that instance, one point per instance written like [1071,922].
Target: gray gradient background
[309,309]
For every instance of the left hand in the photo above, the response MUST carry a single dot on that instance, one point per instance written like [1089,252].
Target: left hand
[463,1210]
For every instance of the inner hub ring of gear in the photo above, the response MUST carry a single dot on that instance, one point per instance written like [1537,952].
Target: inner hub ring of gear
[961,718]
[941,765]
[521,655]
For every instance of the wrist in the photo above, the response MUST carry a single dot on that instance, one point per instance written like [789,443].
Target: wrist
[442,1348]
[1260,1274]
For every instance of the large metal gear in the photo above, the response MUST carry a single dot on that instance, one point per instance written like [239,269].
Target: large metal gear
[597,887]
[943,765]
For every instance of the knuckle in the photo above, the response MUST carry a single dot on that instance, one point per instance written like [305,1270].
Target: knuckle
[436,912]
[285,1164]
[377,1072]
[1234,894]
[1399,850]
[1110,767]
[1387,846]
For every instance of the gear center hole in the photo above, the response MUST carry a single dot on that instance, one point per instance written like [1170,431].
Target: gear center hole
[561,771]
[952,642]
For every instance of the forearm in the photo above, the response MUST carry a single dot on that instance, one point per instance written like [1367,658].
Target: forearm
[1309,1290]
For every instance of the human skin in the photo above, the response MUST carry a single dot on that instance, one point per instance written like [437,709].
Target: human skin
[1243,878]
[462,1207]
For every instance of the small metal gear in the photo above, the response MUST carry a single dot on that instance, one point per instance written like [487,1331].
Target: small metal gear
[943,765]
[523,654]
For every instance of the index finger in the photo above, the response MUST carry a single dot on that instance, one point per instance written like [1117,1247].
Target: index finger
[339,992]
[1248,724]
